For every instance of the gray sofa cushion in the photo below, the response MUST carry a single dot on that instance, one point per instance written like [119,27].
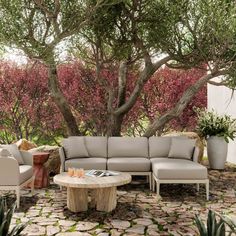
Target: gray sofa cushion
[26,172]
[166,168]
[127,147]
[181,148]
[13,149]
[129,164]
[87,163]
[158,159]
[96,146]
[74,147]
[159,146]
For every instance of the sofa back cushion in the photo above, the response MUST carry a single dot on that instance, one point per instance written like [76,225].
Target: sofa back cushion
[75,147]
[182,148]
[159,146]
[96,146]
[127,147]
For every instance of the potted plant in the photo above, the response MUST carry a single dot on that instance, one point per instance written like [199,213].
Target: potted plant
[217,130]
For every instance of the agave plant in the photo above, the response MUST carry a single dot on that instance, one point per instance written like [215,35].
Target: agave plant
[5,220]
[214,227]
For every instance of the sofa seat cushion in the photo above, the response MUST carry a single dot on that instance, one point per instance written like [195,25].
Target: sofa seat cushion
[164,168]
[158,159]
[87,163]
[26,172]
[128,164]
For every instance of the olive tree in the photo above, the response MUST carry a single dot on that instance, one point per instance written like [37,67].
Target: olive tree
[117,40]
[140,34]
[200,34]
[39,28]
[145,35]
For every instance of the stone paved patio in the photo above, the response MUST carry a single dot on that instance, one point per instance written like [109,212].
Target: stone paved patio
[138,211]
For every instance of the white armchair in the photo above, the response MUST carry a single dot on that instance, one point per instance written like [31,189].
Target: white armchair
[14,176]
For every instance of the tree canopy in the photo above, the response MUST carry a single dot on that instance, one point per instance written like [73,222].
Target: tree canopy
[127,36]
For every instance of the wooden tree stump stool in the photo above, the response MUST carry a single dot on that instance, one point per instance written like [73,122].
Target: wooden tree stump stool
[40,171]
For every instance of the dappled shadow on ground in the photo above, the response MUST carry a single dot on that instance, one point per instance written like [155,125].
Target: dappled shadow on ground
[138,211]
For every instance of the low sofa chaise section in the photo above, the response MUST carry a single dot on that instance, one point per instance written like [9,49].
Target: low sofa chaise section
[176,162]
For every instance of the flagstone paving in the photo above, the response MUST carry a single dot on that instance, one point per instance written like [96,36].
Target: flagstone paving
[138,212]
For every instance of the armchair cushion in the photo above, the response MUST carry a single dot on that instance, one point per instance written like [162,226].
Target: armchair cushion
[4,152]
[75,147]
[13,149]
[26,172]
[9,171]
[181,148]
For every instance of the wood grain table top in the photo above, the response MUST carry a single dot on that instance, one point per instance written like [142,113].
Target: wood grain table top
[88,182]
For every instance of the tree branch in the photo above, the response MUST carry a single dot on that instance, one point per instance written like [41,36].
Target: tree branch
[146,74]
[187,96]
[122,79]
[222,83]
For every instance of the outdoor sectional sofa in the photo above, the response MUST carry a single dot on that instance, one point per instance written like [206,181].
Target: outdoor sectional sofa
[161,159]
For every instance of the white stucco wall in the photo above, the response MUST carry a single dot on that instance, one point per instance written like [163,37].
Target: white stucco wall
[221,99]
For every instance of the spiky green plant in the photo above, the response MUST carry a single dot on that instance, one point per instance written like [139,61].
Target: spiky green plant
[5,220]
[214,227]
[212,124]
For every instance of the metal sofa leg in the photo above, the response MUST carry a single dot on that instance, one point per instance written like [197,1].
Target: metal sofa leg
[153,184]
[17,196]
[207,189]
[198,187]
[158,188]
[150,181]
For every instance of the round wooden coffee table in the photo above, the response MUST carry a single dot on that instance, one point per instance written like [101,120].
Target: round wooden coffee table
[103,192]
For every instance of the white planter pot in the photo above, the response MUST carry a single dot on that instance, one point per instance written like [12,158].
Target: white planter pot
[217,149]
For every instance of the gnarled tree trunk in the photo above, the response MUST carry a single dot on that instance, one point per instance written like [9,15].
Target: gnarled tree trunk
[124,106]
[60,100]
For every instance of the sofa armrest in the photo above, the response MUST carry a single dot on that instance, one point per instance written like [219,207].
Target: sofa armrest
[63,159]
[9,171]
[196,154]
[27,158]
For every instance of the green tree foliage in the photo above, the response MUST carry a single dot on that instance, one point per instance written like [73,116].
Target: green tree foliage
[128,35]
[39,28]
